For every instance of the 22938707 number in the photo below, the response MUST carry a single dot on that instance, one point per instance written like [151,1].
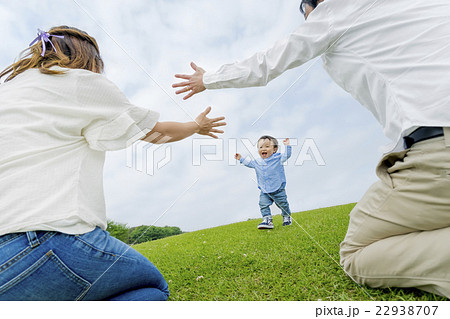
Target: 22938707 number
[406,310]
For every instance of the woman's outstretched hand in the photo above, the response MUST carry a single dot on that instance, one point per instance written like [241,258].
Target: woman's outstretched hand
[194,83]
[207,126]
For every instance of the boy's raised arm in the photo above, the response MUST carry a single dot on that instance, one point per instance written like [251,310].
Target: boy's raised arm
[288,152]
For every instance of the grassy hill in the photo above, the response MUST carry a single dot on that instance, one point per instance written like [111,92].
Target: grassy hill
[240,262]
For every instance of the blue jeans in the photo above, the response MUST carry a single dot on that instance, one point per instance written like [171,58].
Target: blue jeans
[280,199]
[45,265]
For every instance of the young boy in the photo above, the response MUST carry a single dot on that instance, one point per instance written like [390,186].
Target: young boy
[271,178]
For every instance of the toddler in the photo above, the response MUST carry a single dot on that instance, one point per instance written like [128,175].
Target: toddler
[271,179]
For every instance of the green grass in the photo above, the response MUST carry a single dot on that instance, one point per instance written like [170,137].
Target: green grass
[240,262]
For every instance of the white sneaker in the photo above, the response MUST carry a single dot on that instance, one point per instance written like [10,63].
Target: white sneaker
[287,220]
[266,223]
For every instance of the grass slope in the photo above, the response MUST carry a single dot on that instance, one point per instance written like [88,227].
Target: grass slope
[240,262]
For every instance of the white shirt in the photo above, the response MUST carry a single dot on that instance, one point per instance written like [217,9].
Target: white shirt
[54,132]
[393,56]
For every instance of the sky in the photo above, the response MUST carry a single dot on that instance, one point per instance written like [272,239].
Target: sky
[195,183]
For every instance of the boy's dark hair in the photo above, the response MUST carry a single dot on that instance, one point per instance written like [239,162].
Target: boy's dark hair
[270,138]
[312,3]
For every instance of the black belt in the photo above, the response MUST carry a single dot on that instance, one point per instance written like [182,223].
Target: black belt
[421,134]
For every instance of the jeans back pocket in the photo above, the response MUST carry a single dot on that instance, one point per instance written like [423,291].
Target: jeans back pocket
[46,279]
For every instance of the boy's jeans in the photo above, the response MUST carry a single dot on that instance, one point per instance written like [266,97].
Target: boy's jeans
[280,199]
[46,265]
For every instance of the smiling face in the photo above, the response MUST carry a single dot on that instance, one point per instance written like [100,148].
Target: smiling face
[266,148]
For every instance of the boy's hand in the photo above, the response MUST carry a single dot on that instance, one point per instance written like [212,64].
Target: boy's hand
[286,141]
[237,156]
[206,126]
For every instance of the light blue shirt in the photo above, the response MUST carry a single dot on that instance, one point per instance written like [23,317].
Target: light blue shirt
[270,171]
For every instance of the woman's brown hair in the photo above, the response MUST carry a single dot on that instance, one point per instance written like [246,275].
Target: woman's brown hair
[77,50]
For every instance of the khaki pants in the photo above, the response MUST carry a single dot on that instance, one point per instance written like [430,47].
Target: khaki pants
[399,232]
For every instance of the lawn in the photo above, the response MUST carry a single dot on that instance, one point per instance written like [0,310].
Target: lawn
[240,262]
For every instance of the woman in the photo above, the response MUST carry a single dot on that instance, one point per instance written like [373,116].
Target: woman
[58,117]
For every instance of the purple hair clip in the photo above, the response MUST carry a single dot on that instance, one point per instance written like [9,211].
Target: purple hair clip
[45,37]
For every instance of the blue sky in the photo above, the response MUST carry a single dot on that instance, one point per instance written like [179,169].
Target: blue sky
[144,43]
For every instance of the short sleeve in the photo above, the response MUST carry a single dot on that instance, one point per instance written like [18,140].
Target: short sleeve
[112,122]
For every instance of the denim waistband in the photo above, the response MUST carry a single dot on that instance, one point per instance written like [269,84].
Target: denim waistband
[33,239]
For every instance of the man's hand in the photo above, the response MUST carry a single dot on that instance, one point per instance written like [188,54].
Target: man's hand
[286,141]
[206,126]
[194,83]
[237,156]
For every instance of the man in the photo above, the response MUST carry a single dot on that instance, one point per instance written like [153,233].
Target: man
[393,56]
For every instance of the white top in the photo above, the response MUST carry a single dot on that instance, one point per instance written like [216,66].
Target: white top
[392,56]
[54,132]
